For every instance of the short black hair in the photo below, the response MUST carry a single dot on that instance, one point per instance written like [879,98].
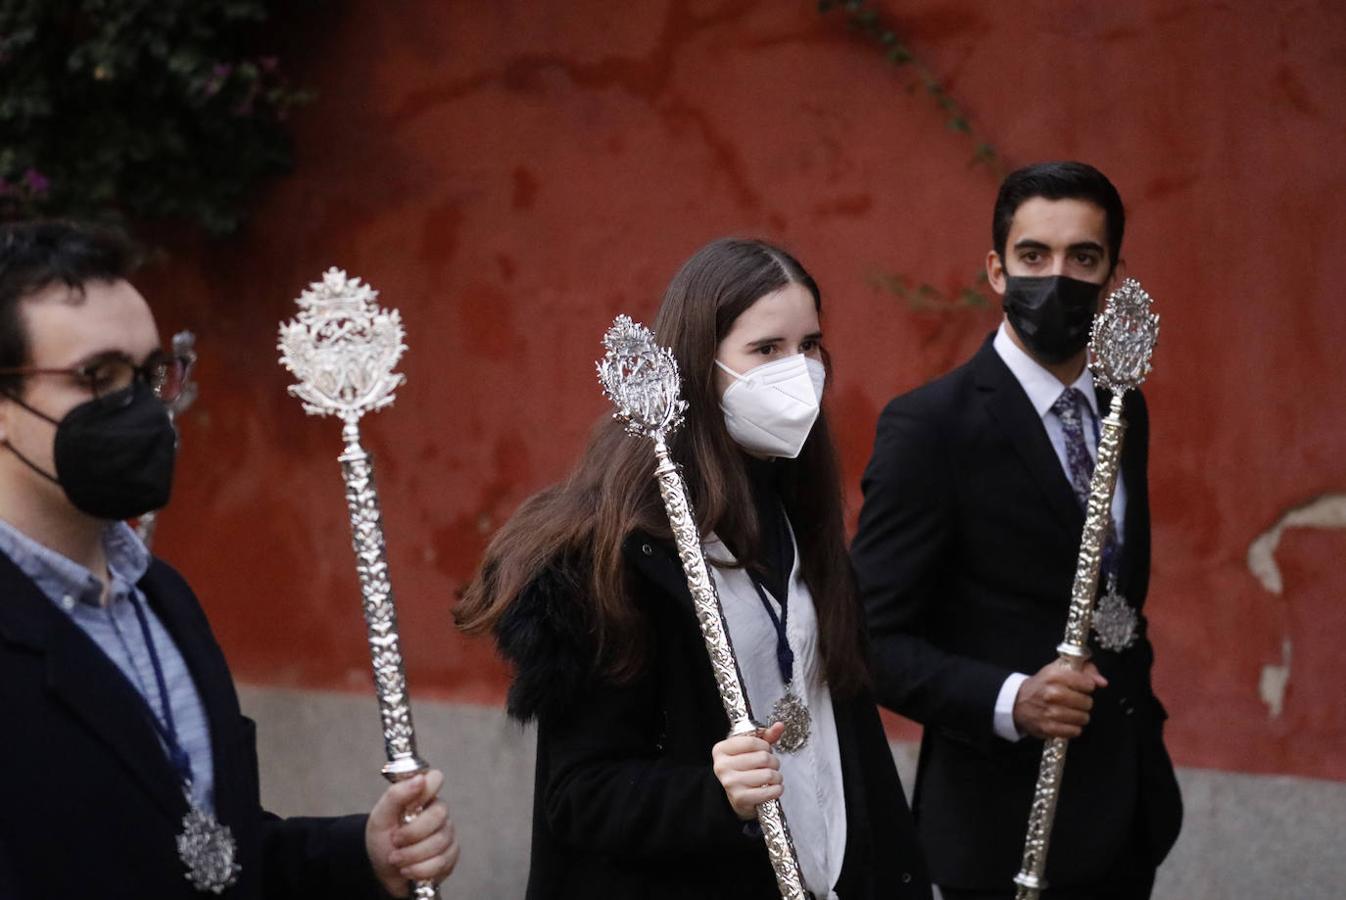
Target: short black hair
[37,254]
[1058,181]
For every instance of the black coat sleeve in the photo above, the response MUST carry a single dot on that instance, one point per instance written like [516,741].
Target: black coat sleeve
[8,885]
[1136,551]
[301,857]
[318,858]
[605,782]
[609,790]
[902,552]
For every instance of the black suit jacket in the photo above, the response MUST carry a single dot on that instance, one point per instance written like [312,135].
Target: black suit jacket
[625,801]
[966,555]
[89,805]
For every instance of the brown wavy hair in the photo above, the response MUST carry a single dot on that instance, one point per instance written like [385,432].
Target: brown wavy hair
[612,492]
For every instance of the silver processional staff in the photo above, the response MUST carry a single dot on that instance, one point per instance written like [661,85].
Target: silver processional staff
[1121,344]
[641,379]
[342,349]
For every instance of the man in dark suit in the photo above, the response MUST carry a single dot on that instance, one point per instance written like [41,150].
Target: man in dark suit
[127,769]
[966,554]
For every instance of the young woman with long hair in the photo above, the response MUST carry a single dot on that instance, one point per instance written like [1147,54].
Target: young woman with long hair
[638,792]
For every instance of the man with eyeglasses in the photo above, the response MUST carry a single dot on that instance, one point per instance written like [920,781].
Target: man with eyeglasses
[127,768]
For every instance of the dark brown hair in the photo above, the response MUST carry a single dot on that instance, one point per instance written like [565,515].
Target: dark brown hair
[612,492]
[1058,181]
[36,254]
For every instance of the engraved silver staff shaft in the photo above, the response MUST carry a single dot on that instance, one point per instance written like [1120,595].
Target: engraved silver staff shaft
[641,380]
[385,645]
[1122,343]
[342,349]
[723,662]
[184,347]
[1073,651]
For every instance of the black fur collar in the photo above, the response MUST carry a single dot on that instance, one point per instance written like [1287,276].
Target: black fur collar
[549,634]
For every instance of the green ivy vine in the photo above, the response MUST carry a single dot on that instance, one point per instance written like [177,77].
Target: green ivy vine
[139,109]
[872,25]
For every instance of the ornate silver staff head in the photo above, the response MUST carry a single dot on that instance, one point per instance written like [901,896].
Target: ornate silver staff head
[1123,339]
[641,379]
[342,348]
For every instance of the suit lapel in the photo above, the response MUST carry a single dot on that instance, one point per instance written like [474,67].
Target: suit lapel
[1009,408]
[1133,474]
[89,685]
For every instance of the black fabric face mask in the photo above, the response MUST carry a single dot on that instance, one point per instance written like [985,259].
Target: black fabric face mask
[114,455]
[1051,314]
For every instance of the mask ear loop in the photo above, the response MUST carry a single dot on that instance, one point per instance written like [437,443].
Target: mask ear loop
[749,378]
[12,449]
[730,372]
[24,406]
[29,463]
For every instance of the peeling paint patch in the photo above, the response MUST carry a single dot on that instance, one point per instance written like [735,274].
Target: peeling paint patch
[1327,511]
[1274,680]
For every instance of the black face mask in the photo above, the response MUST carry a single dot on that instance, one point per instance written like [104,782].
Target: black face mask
[114,455]
[1052,315]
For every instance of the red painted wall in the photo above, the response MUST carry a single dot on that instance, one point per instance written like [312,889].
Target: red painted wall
[511,175]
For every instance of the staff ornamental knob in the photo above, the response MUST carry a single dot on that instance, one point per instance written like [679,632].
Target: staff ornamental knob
[342,348]
[1123,339]
[641,379]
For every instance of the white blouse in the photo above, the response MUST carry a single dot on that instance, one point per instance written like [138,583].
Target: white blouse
[814,801]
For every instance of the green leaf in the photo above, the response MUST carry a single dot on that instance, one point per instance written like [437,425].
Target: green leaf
[113,101]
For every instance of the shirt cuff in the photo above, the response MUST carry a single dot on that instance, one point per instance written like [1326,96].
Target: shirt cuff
[1003,722]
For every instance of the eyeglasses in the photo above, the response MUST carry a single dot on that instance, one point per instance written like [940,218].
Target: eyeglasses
[165,374]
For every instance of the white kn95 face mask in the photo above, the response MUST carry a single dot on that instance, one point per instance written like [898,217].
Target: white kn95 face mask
[771,408]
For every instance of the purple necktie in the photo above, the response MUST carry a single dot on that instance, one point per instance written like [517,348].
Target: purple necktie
[1067,408]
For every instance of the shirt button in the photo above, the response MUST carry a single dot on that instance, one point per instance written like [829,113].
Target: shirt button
[906,878]
[68,602]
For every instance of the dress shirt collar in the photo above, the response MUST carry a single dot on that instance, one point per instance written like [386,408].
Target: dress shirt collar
[1041,386]
[59,577]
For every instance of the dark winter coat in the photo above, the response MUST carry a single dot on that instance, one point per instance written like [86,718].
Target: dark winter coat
[625,801]
[89,804]
[966,555]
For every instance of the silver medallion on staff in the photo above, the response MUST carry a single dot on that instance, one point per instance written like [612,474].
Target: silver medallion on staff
[208,851]
[791,711]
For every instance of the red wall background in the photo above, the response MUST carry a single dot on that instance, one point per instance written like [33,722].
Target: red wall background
[511,175]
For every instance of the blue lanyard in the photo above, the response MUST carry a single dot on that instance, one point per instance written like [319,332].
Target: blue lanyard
[181,762]
[785,657]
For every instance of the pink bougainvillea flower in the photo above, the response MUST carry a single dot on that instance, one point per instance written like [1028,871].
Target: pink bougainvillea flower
[36,182]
